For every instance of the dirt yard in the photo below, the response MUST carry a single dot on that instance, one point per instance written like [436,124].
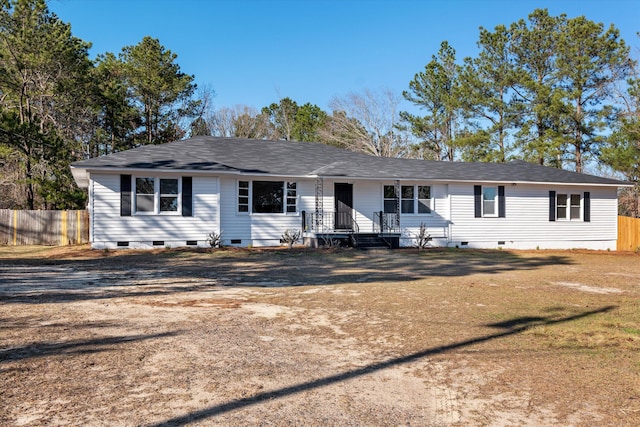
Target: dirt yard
[313,337]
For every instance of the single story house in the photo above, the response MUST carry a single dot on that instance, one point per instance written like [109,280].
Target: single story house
[251,191]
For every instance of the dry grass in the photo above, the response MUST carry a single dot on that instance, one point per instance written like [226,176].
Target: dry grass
[343,337]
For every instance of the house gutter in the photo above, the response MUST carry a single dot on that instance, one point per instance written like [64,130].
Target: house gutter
[82,176]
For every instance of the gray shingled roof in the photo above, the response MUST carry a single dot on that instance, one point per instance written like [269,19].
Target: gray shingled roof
[245,156]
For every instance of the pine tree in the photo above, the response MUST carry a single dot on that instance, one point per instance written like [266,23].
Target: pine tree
[435,91]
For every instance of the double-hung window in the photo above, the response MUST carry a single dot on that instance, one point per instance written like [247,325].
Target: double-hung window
[407,205]
[424,199]
[568,207]
[414,199]
[489,201]
[155,195]
[168,195]
[389,199]
[267,197]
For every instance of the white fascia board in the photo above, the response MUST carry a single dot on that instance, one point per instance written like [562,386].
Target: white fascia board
[476,182]
[81,176]
[190,172]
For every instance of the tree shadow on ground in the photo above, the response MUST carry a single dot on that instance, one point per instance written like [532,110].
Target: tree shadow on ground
[510,327]
[68,348]
[174,271]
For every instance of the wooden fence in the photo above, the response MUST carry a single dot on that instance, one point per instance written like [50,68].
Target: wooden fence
[24,227]
[628,233]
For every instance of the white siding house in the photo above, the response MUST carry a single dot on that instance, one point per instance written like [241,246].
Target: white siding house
[252,191]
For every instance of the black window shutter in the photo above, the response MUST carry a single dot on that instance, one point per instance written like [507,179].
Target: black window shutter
[501,204]
[125,195]
[587,207]
[552,205]
[477,196]
[187,196]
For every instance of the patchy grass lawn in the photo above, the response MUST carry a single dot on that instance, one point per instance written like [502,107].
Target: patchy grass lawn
[313,337]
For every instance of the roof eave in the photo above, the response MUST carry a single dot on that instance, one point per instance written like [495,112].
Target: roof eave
[82,175]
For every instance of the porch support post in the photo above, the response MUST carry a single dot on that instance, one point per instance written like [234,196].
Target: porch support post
[319,204]
[398,188]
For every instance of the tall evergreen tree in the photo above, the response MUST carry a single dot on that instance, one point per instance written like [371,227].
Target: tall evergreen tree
[43,79]
[436,91]
[589,61]
[534,46]
[486,94]
[161,93]
[309,120]
[117,116]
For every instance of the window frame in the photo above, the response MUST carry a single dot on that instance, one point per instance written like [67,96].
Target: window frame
[494,200]
[240,189]
[415,200]
[290,197]
[569,206]
[386,199]
[157,179]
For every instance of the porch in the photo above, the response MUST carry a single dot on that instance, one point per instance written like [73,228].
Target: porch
[323,229]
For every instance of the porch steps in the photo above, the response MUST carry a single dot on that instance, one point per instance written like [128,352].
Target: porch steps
[371,241]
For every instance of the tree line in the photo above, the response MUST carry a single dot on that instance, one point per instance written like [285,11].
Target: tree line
[557,91]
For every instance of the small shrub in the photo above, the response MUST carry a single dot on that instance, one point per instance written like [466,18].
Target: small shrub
[214,239]
[423,237]
[290,236]
[329,241]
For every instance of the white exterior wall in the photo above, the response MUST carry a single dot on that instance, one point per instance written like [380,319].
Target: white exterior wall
[451,223]
[367,199]
[527,225]
[437,223]
[255,229]
[108,227]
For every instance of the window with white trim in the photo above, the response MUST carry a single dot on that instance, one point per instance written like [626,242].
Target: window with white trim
[154,195]
[267,197]
[292,197]
[414,199]
[424,199]
[489,201]
[568,207]
[389,199]
[168,195]
[407,200]
[243,196]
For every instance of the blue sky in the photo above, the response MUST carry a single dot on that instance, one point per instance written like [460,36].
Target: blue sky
[257,52]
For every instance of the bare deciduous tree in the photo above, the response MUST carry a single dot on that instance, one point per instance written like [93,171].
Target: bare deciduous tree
[366,122]
[240,121]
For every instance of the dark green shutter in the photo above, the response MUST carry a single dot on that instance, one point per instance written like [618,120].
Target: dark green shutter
[587,207]
[187,196]
[125,195]
[552,205]
[501,202]
[477,196]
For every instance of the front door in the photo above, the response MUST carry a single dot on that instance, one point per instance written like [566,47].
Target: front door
[344,206]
